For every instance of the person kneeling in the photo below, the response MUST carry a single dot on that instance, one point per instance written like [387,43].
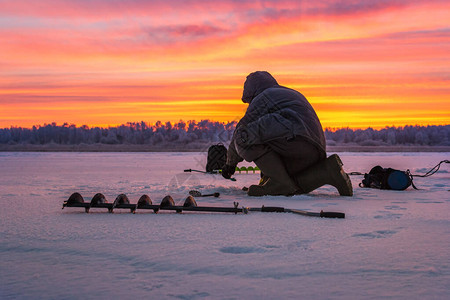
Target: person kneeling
[282,134]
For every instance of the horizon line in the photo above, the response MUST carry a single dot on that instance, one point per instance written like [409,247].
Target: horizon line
[163,123]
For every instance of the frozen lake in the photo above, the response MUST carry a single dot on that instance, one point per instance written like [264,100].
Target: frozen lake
[392,244]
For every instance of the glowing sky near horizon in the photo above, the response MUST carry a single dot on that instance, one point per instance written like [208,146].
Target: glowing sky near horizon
[107,62]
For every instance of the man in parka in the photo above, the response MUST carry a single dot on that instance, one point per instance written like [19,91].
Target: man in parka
[282,134]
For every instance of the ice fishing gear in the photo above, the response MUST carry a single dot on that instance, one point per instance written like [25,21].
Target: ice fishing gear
[216,162]
[238,169]
[99,201]
[433,170]
[217,157]
[392,179]
[321,214]
[247,169]
[199,194]
[167,203]
[204,172]
[387,179]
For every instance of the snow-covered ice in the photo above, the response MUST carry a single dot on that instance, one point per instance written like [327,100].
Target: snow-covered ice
[392,244]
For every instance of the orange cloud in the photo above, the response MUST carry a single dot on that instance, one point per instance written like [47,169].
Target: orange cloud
[360,63]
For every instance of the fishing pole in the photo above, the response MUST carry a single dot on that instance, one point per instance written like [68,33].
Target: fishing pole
[212,172]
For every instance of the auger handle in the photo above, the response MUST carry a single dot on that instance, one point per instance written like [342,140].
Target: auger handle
[331,214]
[272,209]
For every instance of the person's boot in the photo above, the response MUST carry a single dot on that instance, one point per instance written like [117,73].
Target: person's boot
[278,183]
[328,171]
[263,179]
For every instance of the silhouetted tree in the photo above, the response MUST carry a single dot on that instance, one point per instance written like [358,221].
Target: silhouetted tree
[192,132]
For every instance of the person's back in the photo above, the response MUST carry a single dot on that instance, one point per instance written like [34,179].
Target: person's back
[281,133]
[292,108]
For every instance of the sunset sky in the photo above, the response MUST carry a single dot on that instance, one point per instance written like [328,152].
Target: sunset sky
[107,62]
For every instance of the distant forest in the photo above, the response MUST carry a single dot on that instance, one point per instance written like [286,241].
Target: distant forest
[188,134]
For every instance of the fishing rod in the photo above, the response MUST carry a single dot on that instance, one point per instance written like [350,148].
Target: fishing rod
[212,172]
[219,171]
[238,169]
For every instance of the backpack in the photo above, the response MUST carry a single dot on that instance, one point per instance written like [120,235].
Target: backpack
[217,157]
[387,179]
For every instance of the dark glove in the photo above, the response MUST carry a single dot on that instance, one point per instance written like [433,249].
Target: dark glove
[227,171]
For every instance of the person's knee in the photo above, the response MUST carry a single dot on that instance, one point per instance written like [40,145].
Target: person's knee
[297,154]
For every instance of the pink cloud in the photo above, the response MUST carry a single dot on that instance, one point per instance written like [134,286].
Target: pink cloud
[158,51]
[249,8]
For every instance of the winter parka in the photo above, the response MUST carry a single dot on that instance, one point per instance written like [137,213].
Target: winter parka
[274,112]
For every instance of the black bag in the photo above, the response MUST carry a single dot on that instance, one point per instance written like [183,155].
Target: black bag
[387,179]
[217,157]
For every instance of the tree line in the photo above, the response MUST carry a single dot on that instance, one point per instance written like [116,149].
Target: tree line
[140,133]
[191,132]
[407,135]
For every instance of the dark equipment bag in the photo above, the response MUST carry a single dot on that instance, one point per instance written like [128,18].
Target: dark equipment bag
[217,157]
[392,179]
[387,179]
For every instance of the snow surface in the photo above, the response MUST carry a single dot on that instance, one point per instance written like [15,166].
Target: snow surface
[392,244]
